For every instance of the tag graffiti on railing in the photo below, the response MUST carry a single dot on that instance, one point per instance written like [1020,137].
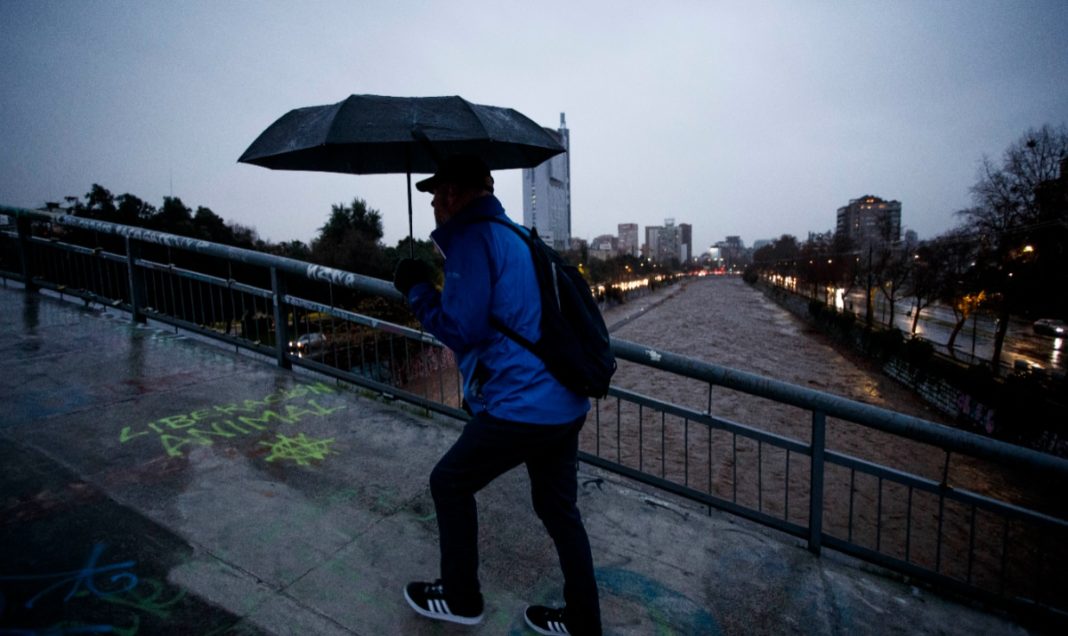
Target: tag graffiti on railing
[224,421]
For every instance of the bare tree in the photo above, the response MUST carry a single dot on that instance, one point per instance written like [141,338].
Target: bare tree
[957,277]
[922,282]
[893,267]
[1006,215]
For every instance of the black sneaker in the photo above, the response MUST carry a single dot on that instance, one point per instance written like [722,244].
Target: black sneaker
[546,620]
[428,599]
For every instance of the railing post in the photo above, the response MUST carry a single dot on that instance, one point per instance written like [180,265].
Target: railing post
[137,280]
[24,229]
[281,333]
[815,501]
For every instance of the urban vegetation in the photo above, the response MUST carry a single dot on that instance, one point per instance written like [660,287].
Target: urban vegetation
[351,238]
[1009,255]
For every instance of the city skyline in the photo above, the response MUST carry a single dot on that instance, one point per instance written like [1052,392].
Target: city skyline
[752,121]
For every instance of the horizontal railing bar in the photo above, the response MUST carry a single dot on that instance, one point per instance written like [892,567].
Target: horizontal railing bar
[217,281]
[957,494]
[710,420]
[228,283]
[210,333]
[694,495]
[842,408]
[380,387]
[362,319]
[292,266]
[78,292]
[878,470]
[97,252]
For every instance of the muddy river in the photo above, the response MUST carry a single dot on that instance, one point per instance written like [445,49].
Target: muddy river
[725,322]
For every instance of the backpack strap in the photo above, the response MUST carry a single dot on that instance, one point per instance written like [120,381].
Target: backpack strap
[497,323]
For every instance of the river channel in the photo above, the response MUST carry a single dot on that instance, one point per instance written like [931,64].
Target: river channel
[723,321]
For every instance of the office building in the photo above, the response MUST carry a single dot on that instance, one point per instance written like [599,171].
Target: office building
[547,194]
[628,239]
[604,247]
[669,242]
[651,247]
[685,242]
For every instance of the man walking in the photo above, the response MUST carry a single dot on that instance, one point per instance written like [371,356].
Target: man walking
[520,413]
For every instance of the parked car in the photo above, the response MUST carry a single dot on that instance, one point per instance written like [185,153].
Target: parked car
[1050,327]
[307,342]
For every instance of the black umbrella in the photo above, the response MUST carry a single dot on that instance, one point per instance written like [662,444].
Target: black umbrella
[374,134]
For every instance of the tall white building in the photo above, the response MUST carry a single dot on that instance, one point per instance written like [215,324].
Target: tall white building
[547,194]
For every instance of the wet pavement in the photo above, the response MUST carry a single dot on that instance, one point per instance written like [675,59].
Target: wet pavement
[157,484]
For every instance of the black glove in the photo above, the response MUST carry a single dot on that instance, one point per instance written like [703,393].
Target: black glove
[409,272]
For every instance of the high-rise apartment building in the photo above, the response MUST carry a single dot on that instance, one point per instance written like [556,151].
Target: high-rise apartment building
[547,194]
[668,242]
[870,221]
[628,239]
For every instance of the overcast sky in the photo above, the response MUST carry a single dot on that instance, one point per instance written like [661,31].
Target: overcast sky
[741,118]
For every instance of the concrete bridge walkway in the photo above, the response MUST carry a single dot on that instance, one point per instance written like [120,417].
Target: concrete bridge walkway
[156,484]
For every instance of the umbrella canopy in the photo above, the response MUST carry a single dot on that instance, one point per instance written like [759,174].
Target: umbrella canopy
[374,134]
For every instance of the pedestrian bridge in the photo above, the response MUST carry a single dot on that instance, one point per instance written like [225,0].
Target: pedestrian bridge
[223,441]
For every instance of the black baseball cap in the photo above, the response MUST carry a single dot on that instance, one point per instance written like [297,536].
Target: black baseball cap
[461,170]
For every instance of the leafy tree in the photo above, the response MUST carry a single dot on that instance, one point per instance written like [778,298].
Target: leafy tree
[248,238]
[352,218]
[100,203]
[211,227]
[293,249]
[350,240]
[133,211]
[422,250]
[174,217]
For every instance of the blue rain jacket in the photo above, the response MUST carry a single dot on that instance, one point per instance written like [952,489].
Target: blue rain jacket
[489,269]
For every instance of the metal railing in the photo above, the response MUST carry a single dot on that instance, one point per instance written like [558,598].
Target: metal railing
[1008,550]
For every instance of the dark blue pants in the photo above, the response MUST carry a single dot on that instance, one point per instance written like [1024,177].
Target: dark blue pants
[487,448]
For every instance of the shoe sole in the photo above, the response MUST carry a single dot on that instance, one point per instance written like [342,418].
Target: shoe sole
[452,618]
[531,625]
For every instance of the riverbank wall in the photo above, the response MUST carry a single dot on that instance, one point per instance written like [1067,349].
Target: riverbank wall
[1018,408]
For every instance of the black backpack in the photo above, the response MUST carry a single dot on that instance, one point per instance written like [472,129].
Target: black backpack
[574,342]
